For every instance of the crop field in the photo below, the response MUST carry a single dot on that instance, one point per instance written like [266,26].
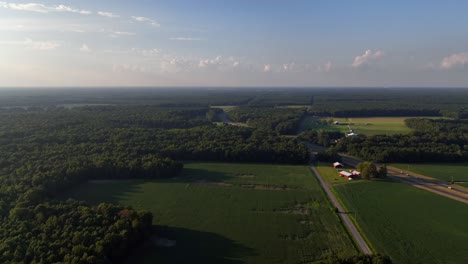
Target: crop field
[233,213]
[408,224]
[375,125]
[362,125]
[226,108]
[442,171]
[330,174]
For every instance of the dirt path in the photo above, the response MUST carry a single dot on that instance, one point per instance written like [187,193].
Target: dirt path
[344,216]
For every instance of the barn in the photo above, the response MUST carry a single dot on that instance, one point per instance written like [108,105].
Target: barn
[347,175]
[337,165]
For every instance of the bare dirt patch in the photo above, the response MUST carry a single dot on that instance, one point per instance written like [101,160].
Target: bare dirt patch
[246,176]
[266,187]
[205,182]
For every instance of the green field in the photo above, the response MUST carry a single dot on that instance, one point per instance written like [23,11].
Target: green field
[226,108]
[330,174]
[442,171]
[366,125]
[408,224]
[234,213]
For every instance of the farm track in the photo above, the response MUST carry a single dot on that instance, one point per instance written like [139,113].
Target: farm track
[360,242]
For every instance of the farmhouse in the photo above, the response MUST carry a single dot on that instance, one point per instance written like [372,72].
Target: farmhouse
[337,165]
[355,173]
[347,175]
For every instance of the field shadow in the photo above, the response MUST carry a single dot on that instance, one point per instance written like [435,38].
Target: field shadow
[95,192]
[196,175]
[113,191]
[192,246]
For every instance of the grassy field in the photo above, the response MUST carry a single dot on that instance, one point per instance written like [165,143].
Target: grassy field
[226,108]
[376,125]
[330,174]
[234,213]
[408,224]
[442,171]
[367,126]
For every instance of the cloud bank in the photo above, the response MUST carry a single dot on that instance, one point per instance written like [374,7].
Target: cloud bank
[454,61]
[40,8]
[368,57]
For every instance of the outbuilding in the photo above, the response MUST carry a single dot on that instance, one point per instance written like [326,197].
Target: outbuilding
[337,165]
[347,175]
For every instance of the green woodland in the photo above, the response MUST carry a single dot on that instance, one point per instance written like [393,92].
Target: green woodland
[54,140]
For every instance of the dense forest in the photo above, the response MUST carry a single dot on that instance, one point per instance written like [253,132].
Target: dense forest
[281,120]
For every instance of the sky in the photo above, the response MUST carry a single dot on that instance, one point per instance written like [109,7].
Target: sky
[234,43]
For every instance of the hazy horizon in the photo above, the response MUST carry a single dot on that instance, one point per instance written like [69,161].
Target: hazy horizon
[233,44]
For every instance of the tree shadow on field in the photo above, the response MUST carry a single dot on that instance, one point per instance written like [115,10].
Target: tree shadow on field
[192,246]
[196,175]
[113,191]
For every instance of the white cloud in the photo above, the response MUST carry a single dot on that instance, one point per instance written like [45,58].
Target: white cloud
[327,67]
[34,45]
[130,68]
[40,8]
[115,34]
[267,68]
[367,58]
[147,52]
[146,20]
[209,62]
[85,48]
[289,67]
[454,61]
[107,14]
[185,39]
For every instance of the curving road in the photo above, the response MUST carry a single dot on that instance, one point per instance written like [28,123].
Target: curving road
[344,216]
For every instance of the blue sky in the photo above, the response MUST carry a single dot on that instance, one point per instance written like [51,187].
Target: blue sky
[233,43]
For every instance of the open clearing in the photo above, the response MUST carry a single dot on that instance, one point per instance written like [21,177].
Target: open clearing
[226,108]
[234,213]
[365,125]
[408,224]
[441,171]
[330,174]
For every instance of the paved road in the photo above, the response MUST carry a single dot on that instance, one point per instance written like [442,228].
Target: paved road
[344,216]
[420,181]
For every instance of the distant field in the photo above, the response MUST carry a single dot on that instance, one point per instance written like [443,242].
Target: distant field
[294,106]
[376,125]
[442,171]
[367,126]
[234,213]
[226,108]
[330,174]
[408,224]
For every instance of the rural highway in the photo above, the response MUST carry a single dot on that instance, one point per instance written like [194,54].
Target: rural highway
[420,181]
[457,193]
[344,216]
